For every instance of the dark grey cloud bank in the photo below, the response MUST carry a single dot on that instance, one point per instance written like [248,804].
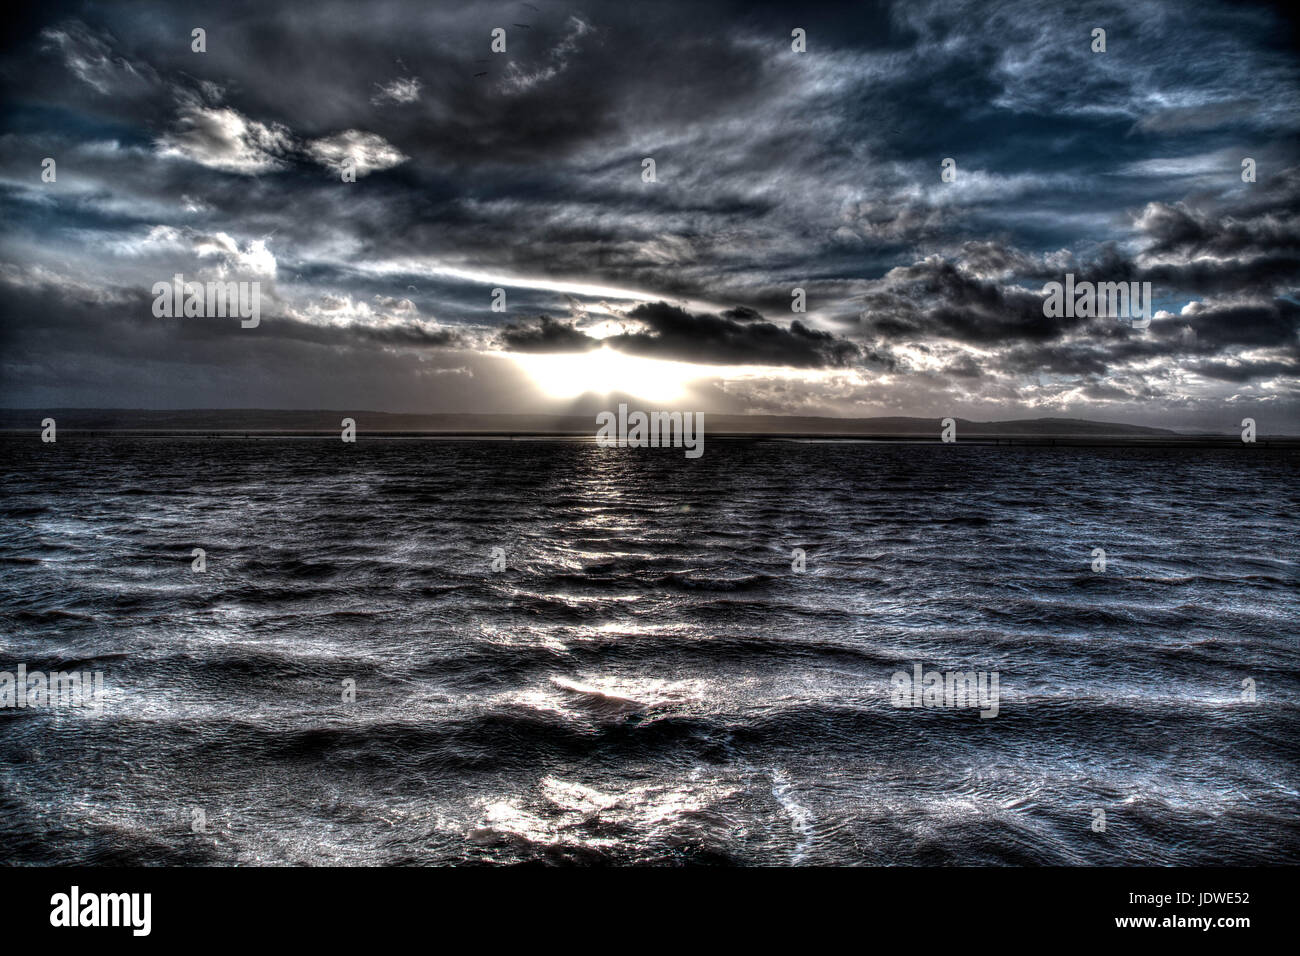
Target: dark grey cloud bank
[738,336]
[776,170]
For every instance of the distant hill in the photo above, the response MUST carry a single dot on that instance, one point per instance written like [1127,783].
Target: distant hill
[274,420]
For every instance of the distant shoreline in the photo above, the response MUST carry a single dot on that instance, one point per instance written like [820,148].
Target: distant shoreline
[327,423]
[1039,441]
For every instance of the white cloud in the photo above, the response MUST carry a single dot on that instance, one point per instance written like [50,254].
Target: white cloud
[92,61]
[223,139]
[251,259]
[400,90]
[517,80]
[366,152]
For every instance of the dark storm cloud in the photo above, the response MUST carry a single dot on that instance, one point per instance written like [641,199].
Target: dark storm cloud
[125,326]
[674,333]
[1268,324]
[106,341]
[936,297]
[737,337]
[1252,245]
[1230,256]
[1240,372]
[545,334]
[775,171]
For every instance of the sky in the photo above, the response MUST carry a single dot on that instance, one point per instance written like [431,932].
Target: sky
[774,169]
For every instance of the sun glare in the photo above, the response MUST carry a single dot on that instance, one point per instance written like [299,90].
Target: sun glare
[605,371]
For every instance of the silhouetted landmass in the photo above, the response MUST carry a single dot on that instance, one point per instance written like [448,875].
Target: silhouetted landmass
[263,422]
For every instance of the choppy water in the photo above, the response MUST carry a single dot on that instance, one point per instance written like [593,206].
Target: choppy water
[648,680]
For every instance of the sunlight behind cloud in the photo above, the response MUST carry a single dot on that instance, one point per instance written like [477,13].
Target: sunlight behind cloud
[605,371]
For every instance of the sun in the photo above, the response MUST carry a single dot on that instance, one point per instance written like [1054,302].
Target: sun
[604,371]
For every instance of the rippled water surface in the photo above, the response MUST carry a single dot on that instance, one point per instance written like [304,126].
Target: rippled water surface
[648,680]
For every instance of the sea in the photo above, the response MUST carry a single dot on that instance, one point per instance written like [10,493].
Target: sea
[431,651]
